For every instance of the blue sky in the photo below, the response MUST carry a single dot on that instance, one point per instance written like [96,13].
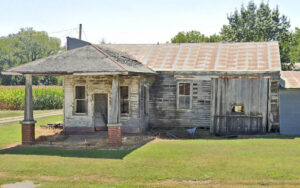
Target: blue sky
[127,21]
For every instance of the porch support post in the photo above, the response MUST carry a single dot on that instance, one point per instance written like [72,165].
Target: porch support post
[114,125]
[28,124]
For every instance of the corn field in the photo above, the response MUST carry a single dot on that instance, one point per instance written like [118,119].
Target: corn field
[44,97]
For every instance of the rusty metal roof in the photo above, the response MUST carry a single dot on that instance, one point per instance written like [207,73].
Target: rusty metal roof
[250,56]
[290,79]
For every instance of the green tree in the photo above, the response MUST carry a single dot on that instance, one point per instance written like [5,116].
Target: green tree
[25,46]
[259,24]
[194,37]
[295,47]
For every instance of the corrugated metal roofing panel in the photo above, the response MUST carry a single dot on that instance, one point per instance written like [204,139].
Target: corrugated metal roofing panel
[250,56]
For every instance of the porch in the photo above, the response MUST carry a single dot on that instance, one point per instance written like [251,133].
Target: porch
[80,108]
[88,103]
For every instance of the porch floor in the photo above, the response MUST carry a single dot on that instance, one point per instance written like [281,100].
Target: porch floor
[98,140]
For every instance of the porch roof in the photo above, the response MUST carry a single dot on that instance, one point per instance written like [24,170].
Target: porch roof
[87,60]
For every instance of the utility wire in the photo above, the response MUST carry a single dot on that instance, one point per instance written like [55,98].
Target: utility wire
[84,35]
[63,31]
[68,34]
[35,34]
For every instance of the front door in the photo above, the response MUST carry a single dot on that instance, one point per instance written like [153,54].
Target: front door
[100,111]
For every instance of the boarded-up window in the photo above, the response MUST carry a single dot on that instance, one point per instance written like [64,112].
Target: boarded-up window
[80,99]
[184,96]
[124,100]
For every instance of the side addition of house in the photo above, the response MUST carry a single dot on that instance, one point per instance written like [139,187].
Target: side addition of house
[290,103]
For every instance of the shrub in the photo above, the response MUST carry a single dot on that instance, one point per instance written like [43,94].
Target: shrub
[44,97]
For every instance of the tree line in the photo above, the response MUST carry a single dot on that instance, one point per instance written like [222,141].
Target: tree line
[253,24]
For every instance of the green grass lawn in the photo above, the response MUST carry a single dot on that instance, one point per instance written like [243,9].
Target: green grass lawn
[182,163]
[14,113]
[11,132]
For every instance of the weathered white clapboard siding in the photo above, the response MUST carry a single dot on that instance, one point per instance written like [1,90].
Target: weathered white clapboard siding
[163,110]
[131,122]
[101,84]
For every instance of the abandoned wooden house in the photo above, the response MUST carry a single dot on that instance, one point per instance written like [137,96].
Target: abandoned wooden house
[228,88]
[290,103]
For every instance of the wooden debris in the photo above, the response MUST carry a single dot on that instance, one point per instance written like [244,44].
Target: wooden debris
[57,125]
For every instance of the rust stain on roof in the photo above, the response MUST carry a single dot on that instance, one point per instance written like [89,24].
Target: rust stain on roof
[251,56]
[290,79]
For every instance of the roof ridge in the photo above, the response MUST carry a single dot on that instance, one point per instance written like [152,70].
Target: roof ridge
[190,43]
[109,57]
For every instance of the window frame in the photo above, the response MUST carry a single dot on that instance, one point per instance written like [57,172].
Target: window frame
[178,95]
[85,99]
[128,100]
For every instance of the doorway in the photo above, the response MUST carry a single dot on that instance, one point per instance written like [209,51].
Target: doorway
[100,111]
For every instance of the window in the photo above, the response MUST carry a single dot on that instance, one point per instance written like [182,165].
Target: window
[238,109]
[145,92]
[184,96]
[124,100]
[80,99]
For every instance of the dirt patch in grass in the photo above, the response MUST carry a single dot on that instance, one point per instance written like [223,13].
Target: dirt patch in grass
[2,174]
[188,183]
[227,183]
[157,139]
[48,137]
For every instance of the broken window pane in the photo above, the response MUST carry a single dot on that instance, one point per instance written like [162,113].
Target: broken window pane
[181,89]
[124,99]
[81,106]
[124,107]
[187,88]
[80,92]
[124,92]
